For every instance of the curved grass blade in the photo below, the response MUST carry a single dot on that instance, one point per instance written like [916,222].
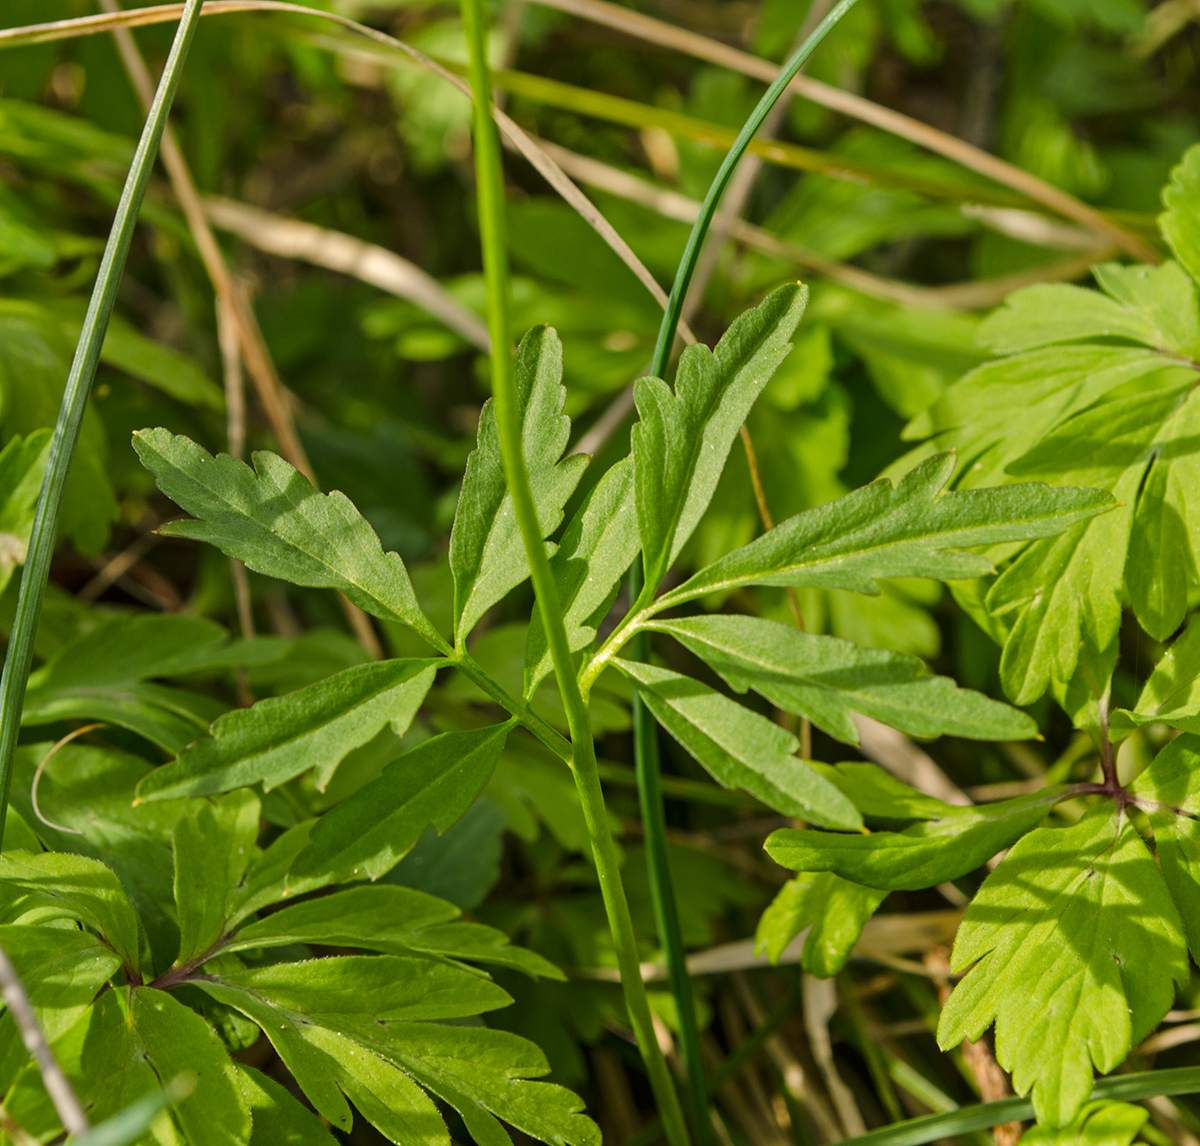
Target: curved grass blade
[645,738]
[74,403]
[492,226]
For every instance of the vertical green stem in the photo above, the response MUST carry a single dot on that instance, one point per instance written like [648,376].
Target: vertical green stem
[74,405]
[490,191]
[645,739]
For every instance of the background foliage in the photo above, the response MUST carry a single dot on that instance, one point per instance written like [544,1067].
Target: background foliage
[938,316]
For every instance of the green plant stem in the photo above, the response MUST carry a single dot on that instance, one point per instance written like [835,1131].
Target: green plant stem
[1121,1087]
[44,533]
[544,731]
[662,890]
[645,733]
[490,192]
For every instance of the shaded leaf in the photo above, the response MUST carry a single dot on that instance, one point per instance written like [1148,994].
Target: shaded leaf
[1172,694]
[395,920]
[368,834]
[278,1118]
[213,846]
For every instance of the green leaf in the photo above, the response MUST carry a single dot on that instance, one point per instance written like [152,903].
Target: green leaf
[143,358]
[906,530]
[175,1040]
[928,853]
[283,736]
[328,1066]
[827,679]
[486,1075]
[1180,222]
[880,796]
[487,555]
[680,445]
[739,748]
[597,549]
[834,912]
[1170,789]
[1098,1123]
[1172,694]
[1153,306]
[371,1003]
[22,465]
[277,1118]
[62,886]
[1173,777]
[367,835]
[61,970]
[1074,948]
[394,920]
[213,847]
[272,519]
[1062,593]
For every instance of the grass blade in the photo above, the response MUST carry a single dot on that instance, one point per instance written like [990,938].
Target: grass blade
[645,739]
[74,404]
[490,191]
[930,1128]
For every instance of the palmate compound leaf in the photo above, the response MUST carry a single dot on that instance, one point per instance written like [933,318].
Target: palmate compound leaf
[1074,947]
[930,852]
[740,748]
[487,555]
[833,911]
[352,1028]
[911,529]
[680,444]
[597,549]
[1096,389]
[828,679]
[277,739]
[273,519]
